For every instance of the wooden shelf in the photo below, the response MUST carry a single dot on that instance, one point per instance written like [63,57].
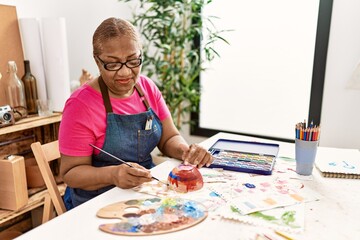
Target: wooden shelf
[16,139]
[35,201]
[31,122]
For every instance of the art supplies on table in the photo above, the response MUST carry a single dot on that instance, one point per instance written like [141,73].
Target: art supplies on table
[338,163]
[261,193]
[185,178]
[244,156]
[289,218]
[307,133]
[122,161]
[150,216]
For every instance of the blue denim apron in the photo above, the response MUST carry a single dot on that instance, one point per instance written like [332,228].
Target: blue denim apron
[128,137]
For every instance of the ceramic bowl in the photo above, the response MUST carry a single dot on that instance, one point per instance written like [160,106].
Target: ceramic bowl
[185,178]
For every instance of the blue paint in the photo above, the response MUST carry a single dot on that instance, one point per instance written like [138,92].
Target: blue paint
[349,166]
[214,194]
[135,228]
[191,210]
[173,176]
[250,205]
[249,185]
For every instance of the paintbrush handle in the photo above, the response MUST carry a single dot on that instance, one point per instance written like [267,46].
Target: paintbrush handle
[120,160]
[159,181]
[110,155]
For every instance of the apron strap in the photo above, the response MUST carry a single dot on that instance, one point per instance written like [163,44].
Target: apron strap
[141,93]
[106,98]
[105,94]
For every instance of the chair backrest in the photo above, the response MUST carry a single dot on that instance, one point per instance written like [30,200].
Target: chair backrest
[44,154]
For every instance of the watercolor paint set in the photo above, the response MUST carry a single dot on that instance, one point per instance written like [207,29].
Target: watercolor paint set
[244,156]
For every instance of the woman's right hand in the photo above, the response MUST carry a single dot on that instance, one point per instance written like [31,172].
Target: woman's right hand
[128,177]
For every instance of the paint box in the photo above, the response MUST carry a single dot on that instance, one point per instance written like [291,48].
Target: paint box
[13,185]
[244,156]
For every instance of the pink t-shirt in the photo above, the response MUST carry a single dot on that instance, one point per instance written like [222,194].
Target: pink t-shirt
[84,116]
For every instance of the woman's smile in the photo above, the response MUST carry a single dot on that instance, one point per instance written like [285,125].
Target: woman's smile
[123,81]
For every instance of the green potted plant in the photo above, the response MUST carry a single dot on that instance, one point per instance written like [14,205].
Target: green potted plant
[173,57]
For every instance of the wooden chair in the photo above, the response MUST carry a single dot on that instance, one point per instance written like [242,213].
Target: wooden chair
[44,154]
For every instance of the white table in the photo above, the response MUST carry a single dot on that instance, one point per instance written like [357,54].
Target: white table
[336,216]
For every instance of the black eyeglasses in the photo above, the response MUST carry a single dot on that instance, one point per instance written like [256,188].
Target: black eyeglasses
[115,66]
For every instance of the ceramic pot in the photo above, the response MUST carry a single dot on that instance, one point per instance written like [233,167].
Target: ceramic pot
[33,174]
[185,178]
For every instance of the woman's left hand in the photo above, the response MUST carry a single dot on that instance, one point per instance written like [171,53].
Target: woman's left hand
[196,155]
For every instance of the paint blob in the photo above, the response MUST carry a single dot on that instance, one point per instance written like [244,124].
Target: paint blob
[153,216]
[185,178]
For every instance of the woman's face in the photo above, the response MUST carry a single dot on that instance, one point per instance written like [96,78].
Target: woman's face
[122,49]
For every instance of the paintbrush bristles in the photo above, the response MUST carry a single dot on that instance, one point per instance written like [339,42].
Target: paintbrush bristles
[160,181]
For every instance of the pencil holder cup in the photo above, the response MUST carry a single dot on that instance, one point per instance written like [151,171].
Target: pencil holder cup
[305,154]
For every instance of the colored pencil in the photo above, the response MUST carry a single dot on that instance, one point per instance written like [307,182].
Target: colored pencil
[309,133]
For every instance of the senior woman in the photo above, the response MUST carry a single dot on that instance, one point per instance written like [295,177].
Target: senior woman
[121,112]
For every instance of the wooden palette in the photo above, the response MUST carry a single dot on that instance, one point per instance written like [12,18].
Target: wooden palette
[152,216]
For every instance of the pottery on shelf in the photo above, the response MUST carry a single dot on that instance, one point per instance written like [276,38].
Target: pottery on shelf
[33,175]
[185,178]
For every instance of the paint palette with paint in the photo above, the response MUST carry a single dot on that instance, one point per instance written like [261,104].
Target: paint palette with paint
[152,216]
[243,156]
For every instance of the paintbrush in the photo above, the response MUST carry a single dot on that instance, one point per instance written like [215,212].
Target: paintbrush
[124,162]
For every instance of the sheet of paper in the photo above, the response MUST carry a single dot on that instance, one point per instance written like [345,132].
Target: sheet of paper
[336,160]
[289,218]
[263,193]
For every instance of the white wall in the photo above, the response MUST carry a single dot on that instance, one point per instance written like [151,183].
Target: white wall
[82,18]
[340,117]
